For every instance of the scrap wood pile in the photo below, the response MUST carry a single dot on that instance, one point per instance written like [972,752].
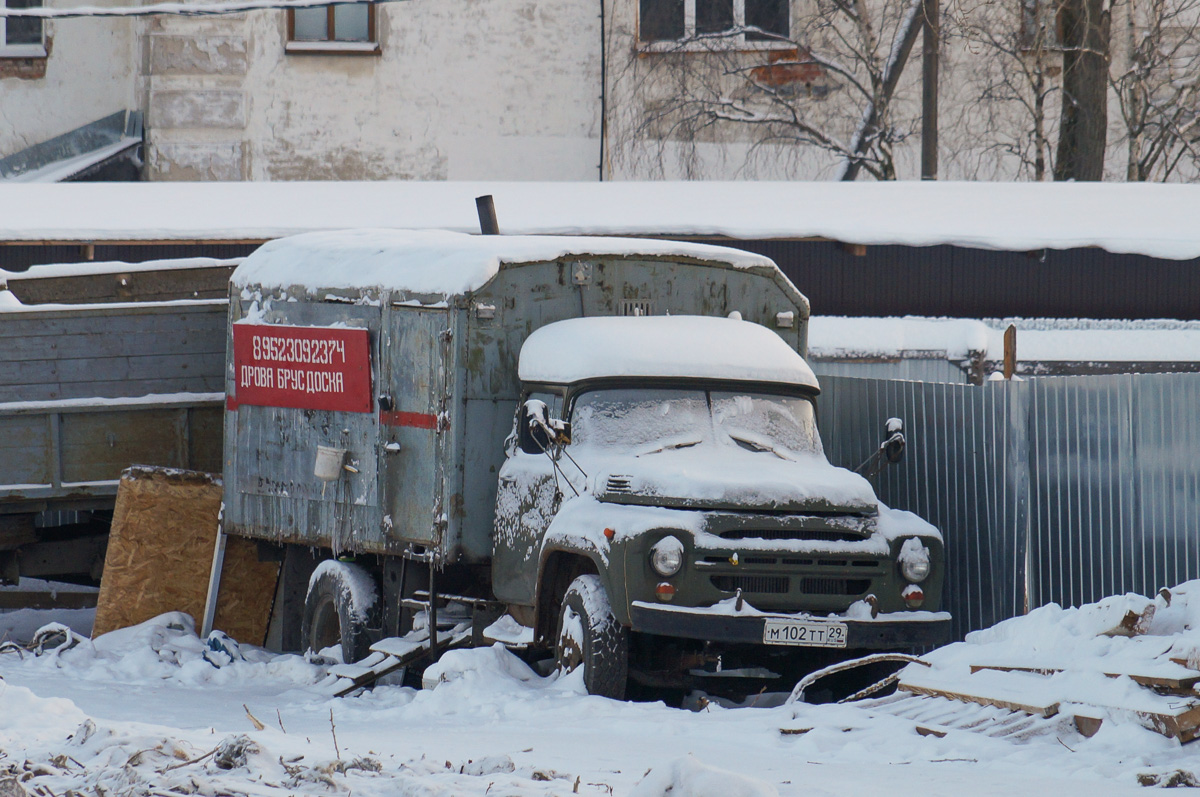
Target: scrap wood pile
[1124,660]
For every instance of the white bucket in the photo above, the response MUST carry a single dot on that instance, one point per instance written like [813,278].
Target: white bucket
[328,466]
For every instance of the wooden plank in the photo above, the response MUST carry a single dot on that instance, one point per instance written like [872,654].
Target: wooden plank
[1183,685]
[962,697]
[165,284]
[71,391]
[206,438]
[118,377]
[1134,623]
[1184,726]
[23,443]
[452,639]
[146,369]
[1088,726]
[123,318]
[99,343]
[39,376]
[100,446]
[26,599]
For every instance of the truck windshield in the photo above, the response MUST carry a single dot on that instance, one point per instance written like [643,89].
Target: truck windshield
[642,421]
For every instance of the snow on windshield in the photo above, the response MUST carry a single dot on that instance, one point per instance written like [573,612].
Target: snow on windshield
[784,425]
[640,420]
[648,420]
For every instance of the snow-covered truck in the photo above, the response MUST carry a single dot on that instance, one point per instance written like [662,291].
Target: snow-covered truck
[603,451]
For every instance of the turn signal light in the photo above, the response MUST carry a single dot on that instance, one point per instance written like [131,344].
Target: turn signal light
[609,534]
[913,596]
[665,592]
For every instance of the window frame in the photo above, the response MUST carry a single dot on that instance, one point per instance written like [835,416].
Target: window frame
[22,50]
[691,42]
[331,46]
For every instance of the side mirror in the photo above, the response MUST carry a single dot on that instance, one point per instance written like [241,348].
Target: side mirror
[894,442]
[890,451]
[531,427]
[539,431]
[537,413]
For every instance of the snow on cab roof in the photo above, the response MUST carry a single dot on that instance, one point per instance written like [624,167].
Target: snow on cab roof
[438,261]
[1135,218]
[699,347]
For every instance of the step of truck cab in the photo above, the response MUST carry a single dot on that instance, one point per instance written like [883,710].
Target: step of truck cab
[392,654]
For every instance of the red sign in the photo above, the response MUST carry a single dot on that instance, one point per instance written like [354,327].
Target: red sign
[308,368]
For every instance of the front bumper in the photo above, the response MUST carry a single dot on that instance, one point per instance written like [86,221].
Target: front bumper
[885,632]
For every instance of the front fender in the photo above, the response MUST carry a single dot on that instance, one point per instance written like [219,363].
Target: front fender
[562,558]
[600,532]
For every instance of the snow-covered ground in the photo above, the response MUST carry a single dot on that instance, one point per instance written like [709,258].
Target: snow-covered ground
[152,711]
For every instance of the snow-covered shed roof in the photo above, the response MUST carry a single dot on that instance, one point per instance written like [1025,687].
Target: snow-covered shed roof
[438,261]
[1038,340]
[1149,219]
[698,347]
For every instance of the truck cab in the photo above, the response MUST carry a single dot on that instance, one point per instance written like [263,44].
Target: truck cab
[666,511]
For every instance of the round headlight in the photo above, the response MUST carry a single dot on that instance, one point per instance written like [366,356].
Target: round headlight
[914,560]
[666,557]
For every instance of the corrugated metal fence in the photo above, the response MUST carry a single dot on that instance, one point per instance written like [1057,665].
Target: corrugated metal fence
[1057,490]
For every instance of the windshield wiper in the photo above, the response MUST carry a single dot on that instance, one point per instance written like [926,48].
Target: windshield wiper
[670,447]
[757,446]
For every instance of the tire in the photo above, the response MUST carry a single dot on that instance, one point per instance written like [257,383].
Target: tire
[341,601]
[589,636]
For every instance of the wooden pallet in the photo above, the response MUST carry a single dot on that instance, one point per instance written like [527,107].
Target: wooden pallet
[1181,722]
[1184,685]
[938,715]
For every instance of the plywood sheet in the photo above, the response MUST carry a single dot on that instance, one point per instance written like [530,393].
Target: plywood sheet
[160,554]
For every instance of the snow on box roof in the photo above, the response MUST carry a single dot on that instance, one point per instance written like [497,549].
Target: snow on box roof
[1137,218]
[438,261]
[700,347]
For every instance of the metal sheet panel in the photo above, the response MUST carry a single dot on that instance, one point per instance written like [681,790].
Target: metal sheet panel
[271,451]
[1058,490]
[955,475]
[923,370]
[416,371]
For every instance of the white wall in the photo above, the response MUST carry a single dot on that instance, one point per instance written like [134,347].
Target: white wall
[89,74]
[469,89]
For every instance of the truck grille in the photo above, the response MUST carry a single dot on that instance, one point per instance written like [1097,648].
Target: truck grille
[834,586]
[790,534]
[619,484]
[776,585]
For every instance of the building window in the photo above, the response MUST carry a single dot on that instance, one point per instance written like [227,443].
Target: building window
[734,22]
[347,28]
[22,37]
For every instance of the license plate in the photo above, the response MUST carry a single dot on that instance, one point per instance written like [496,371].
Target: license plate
[804,633]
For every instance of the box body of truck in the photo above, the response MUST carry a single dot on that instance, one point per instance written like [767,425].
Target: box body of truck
[444,317]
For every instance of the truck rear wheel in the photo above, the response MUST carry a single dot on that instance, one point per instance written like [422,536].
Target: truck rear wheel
[589,636]
[337,609]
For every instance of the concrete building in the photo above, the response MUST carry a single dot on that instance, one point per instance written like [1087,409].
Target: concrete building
[556,90]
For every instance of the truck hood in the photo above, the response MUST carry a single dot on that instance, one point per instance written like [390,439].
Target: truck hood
[730,478]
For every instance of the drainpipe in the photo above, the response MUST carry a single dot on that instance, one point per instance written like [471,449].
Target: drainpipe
[603,94]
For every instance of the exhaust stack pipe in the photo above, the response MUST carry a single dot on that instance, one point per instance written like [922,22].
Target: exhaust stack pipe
[487,215]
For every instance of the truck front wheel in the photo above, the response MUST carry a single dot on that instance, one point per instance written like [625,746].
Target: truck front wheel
[589,636]
[337,609]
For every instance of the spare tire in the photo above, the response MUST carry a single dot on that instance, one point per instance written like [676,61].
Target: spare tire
[339,608]
[589,636]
